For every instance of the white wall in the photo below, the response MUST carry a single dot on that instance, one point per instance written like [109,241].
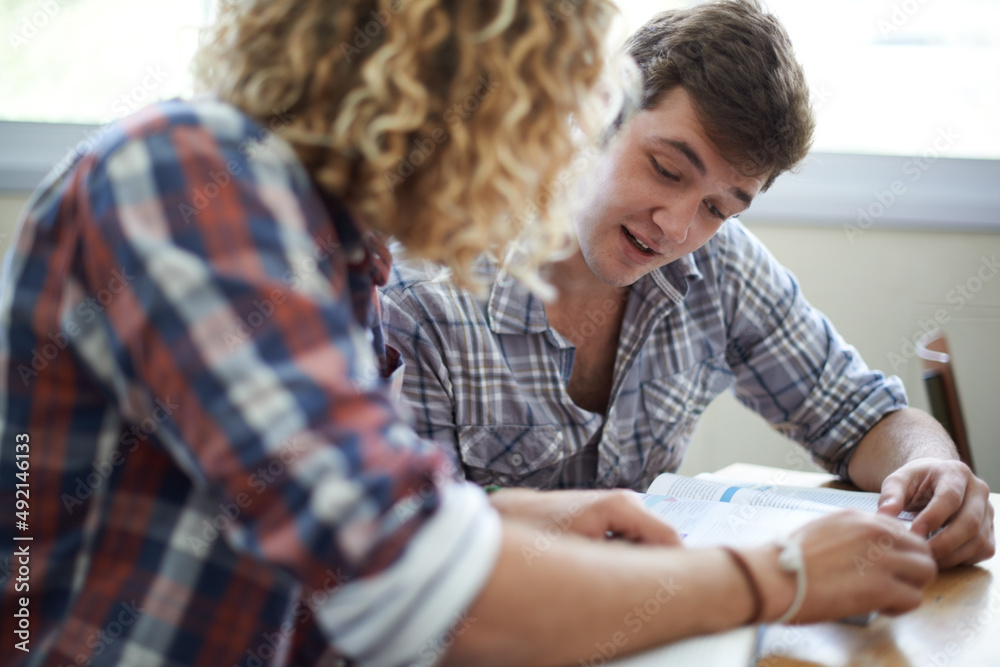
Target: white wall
[876,290]
[10,209]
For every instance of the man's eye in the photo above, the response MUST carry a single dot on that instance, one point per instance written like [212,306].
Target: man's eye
[715,212]
[663,172]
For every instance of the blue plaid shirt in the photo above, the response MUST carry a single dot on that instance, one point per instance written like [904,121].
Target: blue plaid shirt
[488,378]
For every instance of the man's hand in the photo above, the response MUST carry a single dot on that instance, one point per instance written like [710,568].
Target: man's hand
[947,495]
[593,514]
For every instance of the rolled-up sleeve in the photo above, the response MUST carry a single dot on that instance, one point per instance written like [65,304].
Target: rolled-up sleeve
[790,363]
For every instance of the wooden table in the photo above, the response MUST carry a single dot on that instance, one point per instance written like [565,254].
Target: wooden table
[958,624]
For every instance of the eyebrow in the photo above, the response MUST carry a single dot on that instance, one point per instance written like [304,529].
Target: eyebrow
[685,149]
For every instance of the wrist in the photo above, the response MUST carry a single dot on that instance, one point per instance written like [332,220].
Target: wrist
[756,594]
[777,586]
[516,503]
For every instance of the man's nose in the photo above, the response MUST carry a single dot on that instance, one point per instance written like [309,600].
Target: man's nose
[675,218]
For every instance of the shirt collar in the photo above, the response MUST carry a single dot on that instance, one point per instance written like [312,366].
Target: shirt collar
[513,309]
[677,274]
[685,268]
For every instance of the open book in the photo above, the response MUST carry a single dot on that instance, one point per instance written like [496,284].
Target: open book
[709,510]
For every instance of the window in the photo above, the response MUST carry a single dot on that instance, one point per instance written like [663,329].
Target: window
[893,78]
[902,77]
[907,97]
[70,66]
[92,61]
[906,92]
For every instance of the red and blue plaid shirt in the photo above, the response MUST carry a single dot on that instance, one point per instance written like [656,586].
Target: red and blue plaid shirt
[216,472]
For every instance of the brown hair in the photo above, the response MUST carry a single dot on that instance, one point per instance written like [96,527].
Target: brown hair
[433,119]
[737,64]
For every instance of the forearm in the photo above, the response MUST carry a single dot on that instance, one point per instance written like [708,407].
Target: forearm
[898,438]
[557,605]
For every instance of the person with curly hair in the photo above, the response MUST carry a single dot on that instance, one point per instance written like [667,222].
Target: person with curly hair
[196,406]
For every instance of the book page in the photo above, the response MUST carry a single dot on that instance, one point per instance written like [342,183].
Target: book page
[679,486]
[702,523]
[865,501]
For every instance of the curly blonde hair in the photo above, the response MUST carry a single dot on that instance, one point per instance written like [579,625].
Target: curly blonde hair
[444,123]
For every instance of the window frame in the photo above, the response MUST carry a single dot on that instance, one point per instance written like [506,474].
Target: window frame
[833,189]
[828,189]
[31,150]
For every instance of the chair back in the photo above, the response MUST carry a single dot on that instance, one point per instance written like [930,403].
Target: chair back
[939,380]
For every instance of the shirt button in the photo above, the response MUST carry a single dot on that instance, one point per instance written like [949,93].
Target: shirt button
[516,459]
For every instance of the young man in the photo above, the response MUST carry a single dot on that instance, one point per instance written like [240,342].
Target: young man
[668,302]
[200,460]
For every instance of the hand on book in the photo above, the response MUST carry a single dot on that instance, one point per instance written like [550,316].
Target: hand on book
[595,514]
[855,563]
[948,497]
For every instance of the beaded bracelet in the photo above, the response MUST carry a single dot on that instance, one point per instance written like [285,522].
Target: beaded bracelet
[491,488]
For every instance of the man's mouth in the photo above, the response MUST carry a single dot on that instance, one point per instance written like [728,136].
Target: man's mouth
[642,247]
